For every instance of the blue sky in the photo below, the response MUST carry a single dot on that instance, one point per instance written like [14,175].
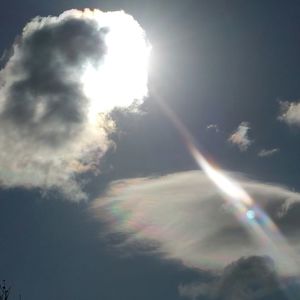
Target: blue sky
[230,72]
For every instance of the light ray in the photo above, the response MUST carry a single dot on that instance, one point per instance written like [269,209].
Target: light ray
[251,216]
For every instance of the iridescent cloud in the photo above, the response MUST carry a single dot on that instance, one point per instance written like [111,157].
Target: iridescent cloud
[188,219]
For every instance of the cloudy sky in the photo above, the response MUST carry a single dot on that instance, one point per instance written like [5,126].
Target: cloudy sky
[100,195]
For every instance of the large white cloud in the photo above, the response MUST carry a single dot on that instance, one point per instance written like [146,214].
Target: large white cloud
[184,214]
[64,76]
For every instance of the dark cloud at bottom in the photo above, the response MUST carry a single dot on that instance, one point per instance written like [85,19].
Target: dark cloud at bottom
[251,278]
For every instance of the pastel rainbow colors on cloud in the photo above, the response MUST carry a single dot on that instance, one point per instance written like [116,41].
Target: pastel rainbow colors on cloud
[163,211]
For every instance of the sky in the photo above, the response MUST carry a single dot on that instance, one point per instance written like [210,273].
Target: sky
[118,207]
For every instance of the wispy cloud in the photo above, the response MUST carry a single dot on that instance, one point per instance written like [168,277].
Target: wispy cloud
[240,137]
[187,217]
[268,152]
[213,127]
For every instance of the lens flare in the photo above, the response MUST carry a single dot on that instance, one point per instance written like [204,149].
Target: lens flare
[250,214]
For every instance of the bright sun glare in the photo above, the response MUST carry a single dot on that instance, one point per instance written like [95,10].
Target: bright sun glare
[121,77]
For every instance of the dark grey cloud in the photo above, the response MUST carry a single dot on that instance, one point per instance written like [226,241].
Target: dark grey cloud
[46,100]
[43,111]
[250,278]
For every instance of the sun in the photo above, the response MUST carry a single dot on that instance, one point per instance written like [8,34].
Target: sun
[122,77]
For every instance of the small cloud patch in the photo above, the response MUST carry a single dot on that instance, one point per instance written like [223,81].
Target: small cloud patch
[267,152]
[213,127]
[240,137]
[290,112]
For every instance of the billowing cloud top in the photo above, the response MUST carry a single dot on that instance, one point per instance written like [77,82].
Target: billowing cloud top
[57,90]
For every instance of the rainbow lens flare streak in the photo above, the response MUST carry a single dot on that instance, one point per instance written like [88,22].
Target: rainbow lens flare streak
[251,216]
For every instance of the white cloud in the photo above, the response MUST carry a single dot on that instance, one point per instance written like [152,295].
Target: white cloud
[267,153]
[64,76]
[290,112]
[240,137]
[213,127]
[185,214]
